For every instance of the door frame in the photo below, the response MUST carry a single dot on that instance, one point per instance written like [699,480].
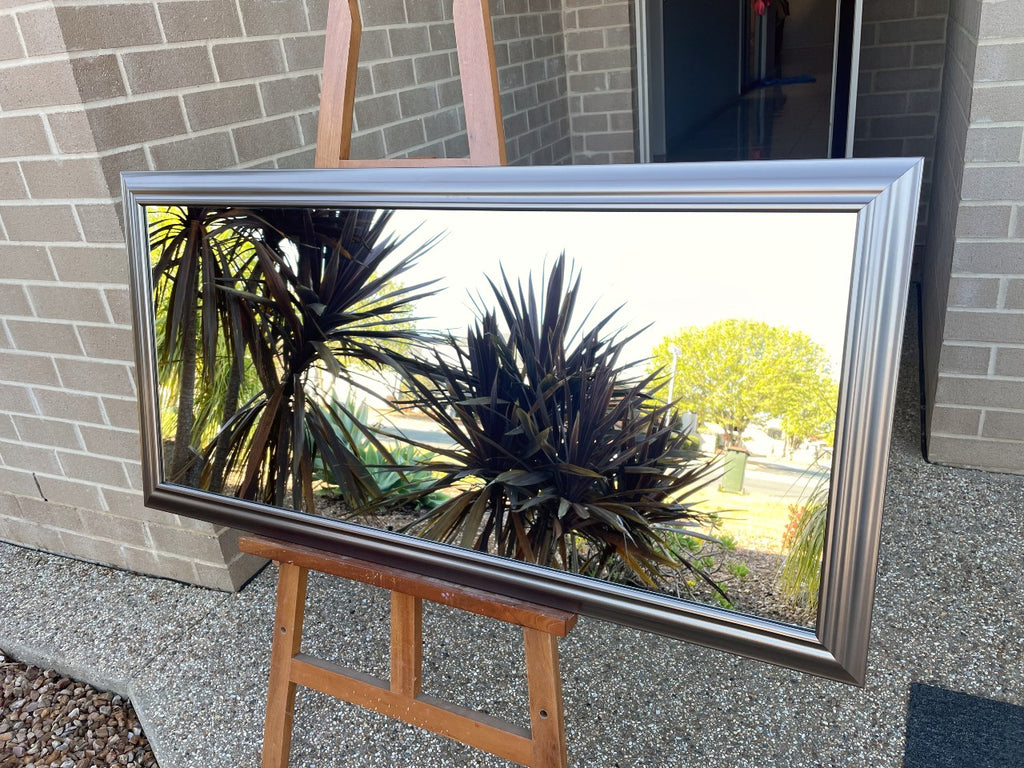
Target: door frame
[845,67]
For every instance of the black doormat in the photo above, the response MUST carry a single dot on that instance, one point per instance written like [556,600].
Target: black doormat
[956,730]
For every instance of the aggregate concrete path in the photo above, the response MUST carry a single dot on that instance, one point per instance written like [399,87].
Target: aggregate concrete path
[949,611]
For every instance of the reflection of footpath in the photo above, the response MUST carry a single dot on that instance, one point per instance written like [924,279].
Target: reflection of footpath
[418,428]
[779,478]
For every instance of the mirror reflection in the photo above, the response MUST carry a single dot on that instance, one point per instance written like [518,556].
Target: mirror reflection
[645,397]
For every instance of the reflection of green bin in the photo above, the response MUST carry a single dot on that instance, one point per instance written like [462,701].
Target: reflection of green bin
[735,465]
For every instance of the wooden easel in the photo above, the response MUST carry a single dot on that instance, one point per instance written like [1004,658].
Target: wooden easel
[543,745]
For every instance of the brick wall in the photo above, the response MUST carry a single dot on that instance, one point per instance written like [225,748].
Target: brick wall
[88,89]
[974,295]
[899,92]
[599,55]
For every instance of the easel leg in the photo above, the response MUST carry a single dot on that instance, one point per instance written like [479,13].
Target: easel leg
[544,679]
[406,644]
[291,604]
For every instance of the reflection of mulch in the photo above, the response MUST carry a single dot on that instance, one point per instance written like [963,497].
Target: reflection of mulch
[756,594]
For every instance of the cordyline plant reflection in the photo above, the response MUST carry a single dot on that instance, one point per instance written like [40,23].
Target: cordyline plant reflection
[561,455]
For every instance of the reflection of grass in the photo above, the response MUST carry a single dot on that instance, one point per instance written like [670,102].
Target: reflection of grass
[755,522]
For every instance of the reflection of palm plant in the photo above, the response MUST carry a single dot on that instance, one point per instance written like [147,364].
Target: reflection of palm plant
[560,458]
[300,291]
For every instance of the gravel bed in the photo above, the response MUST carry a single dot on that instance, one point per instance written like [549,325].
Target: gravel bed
[47,719]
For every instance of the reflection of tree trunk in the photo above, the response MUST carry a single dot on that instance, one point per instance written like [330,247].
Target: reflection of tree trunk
[220,455]
[182,457]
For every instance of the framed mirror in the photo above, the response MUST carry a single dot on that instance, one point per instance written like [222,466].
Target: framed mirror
[657,395]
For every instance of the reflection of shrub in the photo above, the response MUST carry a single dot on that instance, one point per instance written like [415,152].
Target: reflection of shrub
[560,457]
[387,462]
[803,544]
[291,292]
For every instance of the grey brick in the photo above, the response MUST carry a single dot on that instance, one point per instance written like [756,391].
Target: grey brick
[997,104]
[981,392]
[40,223]
[418,101]
[983,453]
[403,136]
[199,20]
[69,406]
[265,139]
[879,10]
[975,292]
[1001,20]
[383,13]
[1006,425]
[1015,294]
[11,183]
[993,183]
[48,432]
[885,56]
[35,336]
[35,510]
[99,377]
[71,131]
[304,158]
[41,31]
[999,258]
[205,152]
[97,77]
[983,221]
[272,17]
[409,41]
[83,495]
[10,44]
[106,343]
[424,10]
[23,136]
[247,59]
[392,75]
[94,469]
[1010,362]
[172,68]
[956,358]
[222,106]
[13,302]
[912,30]
[290,94]
[305,52]
[902,126]
[367,146]
[98,27]
[430,69]
[134,122]
[65,302]
[60,177]
[38,84]
[955,421]
[120,305]
[994,327]
[89,264]
[907,79]
[121,413]
[993,144]
[21,368]
[15,398]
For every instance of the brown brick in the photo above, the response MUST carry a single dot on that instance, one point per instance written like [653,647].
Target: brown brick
[63,178]
[90,264]
[49,432]
[120,125]
[199,20]
[23,368]
[307,51]
[10,44]
[97,77]
[206,152]
[38,84]
[266,139]
[35,336]
[11,183]
[102,222]
[63,302]
[24,136]
[290,94]
[13,302]
[69,406]
[117,25]
[119,443]
[40,223]
[80,466]
[221,106]
[166,69]
[251,58]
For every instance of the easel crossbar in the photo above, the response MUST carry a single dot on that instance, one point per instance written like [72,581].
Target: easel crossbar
[477,729]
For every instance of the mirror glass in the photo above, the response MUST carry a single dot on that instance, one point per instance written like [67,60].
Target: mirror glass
[644,397]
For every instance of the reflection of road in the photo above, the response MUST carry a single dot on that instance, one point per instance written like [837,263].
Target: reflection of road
[768,477]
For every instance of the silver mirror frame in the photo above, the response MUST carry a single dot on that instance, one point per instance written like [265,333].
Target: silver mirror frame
[883,193]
